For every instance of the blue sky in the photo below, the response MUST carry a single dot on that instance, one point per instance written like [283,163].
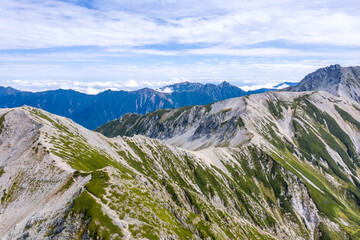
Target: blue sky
[95,45]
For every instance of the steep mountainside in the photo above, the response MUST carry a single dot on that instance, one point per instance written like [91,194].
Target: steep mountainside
[231,122]
[61,181]
[337,80]
[92,111]
[315,135]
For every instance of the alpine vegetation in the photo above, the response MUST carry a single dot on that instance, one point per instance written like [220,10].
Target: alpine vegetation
[267,166]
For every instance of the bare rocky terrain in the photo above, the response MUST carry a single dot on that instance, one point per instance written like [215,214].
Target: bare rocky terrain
[335,79]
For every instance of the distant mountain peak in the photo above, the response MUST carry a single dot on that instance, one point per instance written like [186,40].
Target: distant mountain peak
[334,79]
[182,87]
[334,66]
[193,86]
[8,90]
[224,84]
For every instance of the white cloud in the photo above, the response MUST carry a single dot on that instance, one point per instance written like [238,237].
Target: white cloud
[257,86]
[165,90]
[282,86]
[131,83]
[89,87]
[256,41]
[273,52]
[267,85]
[66,77]
[42,24]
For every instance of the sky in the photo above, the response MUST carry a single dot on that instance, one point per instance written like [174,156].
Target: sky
[94,45]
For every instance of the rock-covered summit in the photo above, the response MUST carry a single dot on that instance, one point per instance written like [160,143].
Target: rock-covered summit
[335,79]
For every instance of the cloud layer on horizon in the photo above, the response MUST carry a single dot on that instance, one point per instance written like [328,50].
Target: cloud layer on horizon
[129,85]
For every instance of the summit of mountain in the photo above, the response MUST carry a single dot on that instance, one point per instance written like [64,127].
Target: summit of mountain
[335,79]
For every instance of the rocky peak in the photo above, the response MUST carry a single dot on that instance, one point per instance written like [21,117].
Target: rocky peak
[335,79]
[224,84]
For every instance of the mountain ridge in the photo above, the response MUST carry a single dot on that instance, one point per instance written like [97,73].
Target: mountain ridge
[269,187]
[227,115]
[309,126]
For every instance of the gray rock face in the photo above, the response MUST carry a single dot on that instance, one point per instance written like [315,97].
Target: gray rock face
[335,79]
[189,127]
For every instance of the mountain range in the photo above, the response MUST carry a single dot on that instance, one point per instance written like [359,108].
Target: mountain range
[91,111]
[276,165]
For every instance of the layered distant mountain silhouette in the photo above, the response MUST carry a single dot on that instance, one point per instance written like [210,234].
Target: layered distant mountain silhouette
[92,111]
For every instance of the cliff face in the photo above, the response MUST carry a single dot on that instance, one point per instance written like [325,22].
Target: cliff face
[60,181]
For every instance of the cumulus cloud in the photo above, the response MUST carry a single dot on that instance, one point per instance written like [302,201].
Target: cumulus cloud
[165,90]
[131,83]
[88,87]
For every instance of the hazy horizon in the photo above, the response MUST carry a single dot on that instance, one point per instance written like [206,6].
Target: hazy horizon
[163,89]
